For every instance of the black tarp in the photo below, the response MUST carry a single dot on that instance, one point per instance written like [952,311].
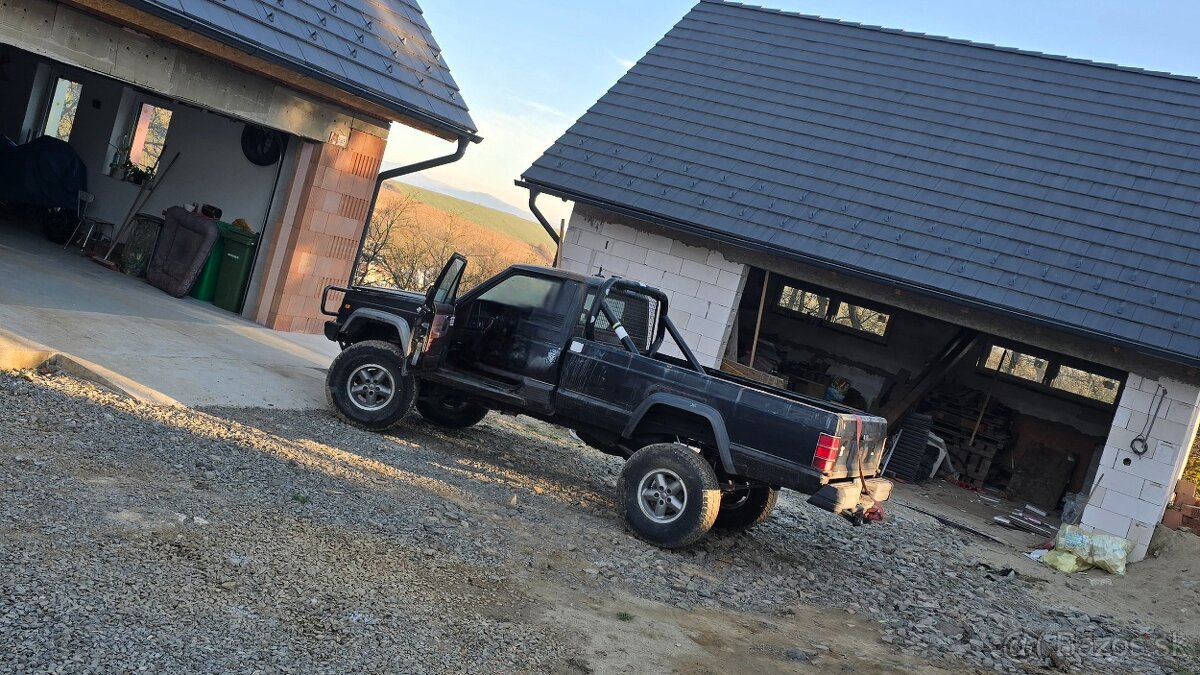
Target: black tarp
[43,172]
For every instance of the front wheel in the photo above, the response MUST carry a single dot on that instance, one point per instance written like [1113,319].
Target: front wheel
[746,507]
[450,413]
[367,387]
[668,495]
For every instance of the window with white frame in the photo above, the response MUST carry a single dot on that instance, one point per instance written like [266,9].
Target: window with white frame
[64,103]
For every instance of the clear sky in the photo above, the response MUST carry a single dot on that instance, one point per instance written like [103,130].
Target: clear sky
[530,68]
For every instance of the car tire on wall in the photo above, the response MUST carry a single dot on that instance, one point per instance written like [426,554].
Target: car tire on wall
[744,508]
[668,495]
[450,413]
[367,387]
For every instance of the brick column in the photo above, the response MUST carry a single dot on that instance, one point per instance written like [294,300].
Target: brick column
[327,228]
[1131,492]
[702,287]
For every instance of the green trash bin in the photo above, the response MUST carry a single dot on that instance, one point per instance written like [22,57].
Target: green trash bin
[237,260]
[206,282]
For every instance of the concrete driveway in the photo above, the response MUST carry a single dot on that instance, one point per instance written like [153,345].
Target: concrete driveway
[135,338]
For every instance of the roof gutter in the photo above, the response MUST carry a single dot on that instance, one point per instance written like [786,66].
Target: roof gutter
[840,268]
[463,142]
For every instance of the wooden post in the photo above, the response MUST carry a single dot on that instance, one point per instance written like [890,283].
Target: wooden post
[762,302]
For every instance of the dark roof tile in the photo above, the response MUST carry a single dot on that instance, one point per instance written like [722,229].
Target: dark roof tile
[1034,183]
[380,50]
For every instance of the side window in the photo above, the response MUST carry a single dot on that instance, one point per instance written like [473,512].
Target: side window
[61,117]
[637,313]
[523,292]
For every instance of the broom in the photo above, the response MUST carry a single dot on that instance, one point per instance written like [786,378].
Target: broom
[138,203]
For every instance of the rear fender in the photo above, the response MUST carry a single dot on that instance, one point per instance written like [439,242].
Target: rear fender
[684,405]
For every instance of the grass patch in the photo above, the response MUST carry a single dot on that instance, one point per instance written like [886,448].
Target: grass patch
[624,616]
[300,499]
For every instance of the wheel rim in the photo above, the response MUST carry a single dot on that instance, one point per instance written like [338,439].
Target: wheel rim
[371,387]
[662,496]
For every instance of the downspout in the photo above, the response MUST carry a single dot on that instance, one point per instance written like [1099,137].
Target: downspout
[384,176]
[533,195]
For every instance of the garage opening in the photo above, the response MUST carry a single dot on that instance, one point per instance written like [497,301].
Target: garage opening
[91,159]
[1007,420]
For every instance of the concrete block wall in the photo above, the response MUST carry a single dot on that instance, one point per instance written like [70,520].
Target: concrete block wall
[329,222]
[702,286]
[1131,492]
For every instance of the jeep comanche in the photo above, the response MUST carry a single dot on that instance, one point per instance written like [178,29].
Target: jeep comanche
[703,448]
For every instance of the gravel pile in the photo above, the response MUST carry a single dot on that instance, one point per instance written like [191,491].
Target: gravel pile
[135,537]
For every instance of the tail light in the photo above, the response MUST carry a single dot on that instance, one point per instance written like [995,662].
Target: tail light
[829,448]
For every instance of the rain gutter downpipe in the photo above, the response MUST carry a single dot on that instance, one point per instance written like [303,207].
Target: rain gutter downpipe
[384,176]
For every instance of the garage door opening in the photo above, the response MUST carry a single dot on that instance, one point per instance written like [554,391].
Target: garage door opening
[93,152]
[1017,423]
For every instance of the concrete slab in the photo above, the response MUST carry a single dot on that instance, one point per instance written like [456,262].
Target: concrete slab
[143,341]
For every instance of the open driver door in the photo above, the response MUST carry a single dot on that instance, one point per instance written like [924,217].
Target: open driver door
[436,318]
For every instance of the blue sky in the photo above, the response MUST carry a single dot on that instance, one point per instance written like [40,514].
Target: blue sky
[528,69]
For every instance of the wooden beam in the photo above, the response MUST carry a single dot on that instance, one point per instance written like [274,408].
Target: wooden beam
[762,302]
[965,342]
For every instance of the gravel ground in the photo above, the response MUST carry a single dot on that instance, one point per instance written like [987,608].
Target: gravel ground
[141,538]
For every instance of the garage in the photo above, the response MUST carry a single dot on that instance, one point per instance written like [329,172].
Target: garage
[113,112]
[963,238]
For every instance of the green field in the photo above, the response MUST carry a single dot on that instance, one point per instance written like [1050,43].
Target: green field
[507,224]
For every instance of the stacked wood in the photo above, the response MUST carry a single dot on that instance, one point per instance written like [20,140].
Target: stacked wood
[742,370]
[975,428]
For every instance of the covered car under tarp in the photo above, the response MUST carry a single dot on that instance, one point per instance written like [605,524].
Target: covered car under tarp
[44,172]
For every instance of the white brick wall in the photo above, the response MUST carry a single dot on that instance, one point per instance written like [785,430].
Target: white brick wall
[1131,492]
[702,287]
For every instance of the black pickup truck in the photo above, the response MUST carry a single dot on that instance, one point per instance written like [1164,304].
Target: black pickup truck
[703,448]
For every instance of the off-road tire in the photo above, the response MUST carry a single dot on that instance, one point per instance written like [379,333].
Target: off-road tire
[367,355]
[701,494]
[451,414]
[745,508]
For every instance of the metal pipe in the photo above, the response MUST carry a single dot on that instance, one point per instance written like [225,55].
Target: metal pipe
[463,142]
[533,195]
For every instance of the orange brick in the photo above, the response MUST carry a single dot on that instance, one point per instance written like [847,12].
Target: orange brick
[1190,511]
[1185,493]
[1173,519]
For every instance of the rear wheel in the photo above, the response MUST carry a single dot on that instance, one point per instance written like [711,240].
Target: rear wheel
[746,507]
[450,413]
[668,495]
[367,387]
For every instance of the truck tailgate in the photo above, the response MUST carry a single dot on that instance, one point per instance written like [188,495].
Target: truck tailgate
[863,444]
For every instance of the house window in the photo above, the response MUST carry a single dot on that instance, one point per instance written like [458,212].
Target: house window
[1049,373]
[149,137]
[61,116]
[833,310]
[1083,383]
[861,318]
[1016,364]
[804,302]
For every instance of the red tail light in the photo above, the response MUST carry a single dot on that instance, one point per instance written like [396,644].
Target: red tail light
[827,452]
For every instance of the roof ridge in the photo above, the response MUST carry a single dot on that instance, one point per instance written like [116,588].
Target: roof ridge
[956,41]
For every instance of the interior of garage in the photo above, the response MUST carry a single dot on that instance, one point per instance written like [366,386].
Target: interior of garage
[142,152]
[1017,422]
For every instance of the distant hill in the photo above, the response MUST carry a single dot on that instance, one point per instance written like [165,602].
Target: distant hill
[503,222]
[481,198]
